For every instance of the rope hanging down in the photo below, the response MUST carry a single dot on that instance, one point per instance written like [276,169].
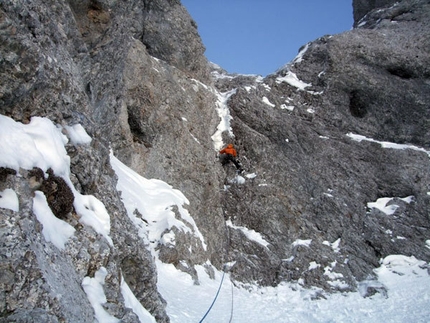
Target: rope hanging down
[216,296]
[222,278]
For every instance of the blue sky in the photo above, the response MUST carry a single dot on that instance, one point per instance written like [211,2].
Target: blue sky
[260,36]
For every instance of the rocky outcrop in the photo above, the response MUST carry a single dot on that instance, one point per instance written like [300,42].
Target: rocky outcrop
[111,67]
[363,7]
[343,125]
[296,130]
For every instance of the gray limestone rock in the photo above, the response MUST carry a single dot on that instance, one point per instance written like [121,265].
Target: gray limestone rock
[362,7]
[295,130]
[314,138]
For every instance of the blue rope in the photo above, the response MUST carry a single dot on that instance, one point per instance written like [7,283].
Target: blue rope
[216,296]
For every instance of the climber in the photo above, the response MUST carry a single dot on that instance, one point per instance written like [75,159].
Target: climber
[229,154]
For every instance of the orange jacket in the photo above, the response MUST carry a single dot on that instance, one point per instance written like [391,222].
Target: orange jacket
[229,150]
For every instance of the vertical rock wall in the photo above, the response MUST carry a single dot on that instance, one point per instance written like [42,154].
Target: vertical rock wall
[131,74]
[363,7]
[344,124]
[312,137]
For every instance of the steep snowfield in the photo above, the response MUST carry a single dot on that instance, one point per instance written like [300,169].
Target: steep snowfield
[407,299]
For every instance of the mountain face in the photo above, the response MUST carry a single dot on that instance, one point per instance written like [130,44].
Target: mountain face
[296,130]
[363,7]
[335,146]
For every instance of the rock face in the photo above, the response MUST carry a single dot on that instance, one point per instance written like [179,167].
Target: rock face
[363,7]
[343,125]
[111,67]
[296,129]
